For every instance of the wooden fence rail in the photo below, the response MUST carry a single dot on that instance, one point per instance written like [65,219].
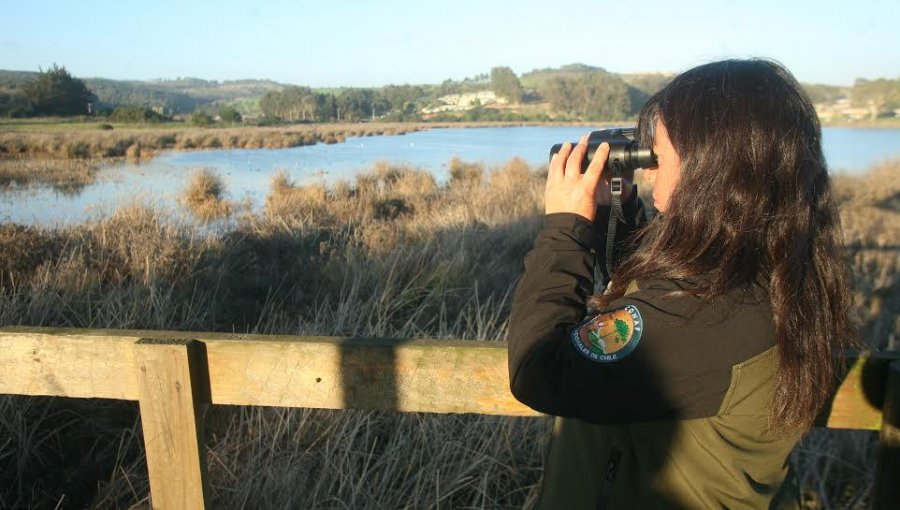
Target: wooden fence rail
[173,375]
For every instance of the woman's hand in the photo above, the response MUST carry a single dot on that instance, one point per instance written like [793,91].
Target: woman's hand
[567,189]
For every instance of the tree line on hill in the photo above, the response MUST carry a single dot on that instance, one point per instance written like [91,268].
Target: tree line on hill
[591,95]
[179,96]
[55,92]
[571,92]
[303,104]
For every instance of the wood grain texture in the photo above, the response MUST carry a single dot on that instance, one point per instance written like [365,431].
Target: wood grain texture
[438,376]
[425,376]
[37,361]
[170,387]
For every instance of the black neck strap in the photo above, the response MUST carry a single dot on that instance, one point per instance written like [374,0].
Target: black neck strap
[616,215]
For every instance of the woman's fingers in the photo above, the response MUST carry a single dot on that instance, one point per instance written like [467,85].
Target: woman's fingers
[595,168]
[567,189]
[573,162]
[558,162]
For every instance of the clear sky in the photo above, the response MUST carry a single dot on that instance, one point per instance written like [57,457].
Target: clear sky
[373,43]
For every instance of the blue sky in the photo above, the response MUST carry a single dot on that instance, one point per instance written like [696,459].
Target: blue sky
[373,43]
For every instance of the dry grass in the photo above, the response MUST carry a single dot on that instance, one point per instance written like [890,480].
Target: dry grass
[389,254]
[65,176]
[142,143]
[835,468]
[870,215]
[204,196]
[39,141]
[68,160]
[463,174]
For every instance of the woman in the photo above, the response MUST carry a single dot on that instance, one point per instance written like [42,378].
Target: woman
[690,379]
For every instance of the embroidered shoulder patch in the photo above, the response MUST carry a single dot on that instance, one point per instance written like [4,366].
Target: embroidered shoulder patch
[610,336]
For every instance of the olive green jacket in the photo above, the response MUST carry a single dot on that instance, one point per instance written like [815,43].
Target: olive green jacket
[724,461]
[663,398]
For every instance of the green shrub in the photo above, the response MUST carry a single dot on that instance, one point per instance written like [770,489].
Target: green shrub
[199,118]
[231,115]
[135,114]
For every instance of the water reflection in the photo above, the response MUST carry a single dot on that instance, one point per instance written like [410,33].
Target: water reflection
[247,173]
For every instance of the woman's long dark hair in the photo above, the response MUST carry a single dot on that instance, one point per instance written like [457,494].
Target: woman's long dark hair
[753,204]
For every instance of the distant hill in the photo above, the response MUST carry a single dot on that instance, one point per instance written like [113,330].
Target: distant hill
[647,83]
[582,91]
[182,95]
[569,92]
[538,78]
[215,90]
[11,80]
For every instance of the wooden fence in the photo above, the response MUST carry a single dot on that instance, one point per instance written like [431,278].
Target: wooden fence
[174,374]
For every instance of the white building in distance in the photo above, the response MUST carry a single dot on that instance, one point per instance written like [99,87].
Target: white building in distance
[463,102]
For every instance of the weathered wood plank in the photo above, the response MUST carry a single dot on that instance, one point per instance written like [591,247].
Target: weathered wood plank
[335,373]
[35,361]
[887,479]
[426,376]
[858,401]
[172,390]
[440,376]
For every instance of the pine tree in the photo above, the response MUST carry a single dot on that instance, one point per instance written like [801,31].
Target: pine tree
[56,92]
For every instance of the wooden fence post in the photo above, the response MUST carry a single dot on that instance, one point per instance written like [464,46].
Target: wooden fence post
[173,386]
[887,476]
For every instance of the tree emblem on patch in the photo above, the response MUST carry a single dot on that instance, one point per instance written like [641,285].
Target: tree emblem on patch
[610,336]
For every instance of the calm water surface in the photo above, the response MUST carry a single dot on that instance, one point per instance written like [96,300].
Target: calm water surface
[247,172]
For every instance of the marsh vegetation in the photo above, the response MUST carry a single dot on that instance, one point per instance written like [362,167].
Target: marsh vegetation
[391,253]
[68,157]
[69,160]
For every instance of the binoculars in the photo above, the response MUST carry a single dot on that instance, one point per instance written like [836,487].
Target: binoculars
[625,154]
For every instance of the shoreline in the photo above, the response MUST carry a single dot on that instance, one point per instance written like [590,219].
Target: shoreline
[43,138]
[69,160]
[48,125]
[89,141]
[107,146]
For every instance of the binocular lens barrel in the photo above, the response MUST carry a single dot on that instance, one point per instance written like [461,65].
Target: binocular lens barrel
[625,152]
[629,154]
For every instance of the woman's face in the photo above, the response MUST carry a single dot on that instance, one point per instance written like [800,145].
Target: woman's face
[665,176]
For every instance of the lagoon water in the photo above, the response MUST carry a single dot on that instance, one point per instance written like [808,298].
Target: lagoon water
[247,172]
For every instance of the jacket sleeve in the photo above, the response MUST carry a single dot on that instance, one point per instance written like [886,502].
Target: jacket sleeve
[674,367]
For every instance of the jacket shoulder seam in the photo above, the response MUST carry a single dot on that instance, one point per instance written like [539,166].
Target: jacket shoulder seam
[736,371]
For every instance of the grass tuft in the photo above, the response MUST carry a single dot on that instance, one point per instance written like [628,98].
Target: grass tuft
[204,196]
[465,174]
